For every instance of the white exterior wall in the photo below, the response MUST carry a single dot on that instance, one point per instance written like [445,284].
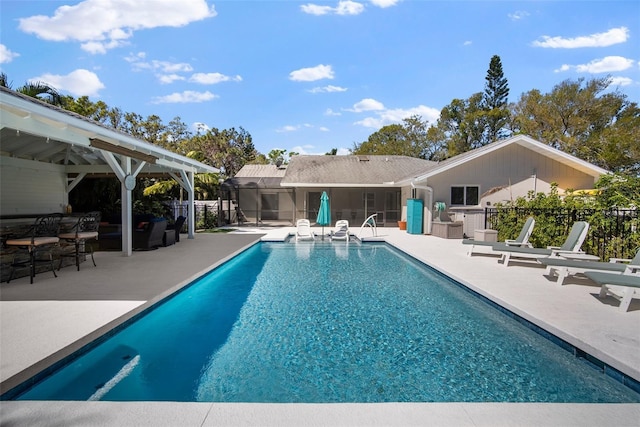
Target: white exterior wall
[516,168]
[28,187]
[513,165]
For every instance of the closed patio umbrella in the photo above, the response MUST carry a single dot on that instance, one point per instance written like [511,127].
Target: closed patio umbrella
[324,213]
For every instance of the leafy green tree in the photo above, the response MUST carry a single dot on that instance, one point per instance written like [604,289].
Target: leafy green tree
[463,122]
[331,152]
[407,139]
[495,101]
[227,149]
[40,90]
[583,119]
[276,156]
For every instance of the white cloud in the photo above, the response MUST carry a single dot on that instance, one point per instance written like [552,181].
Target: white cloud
[348,7]
[314,9]
[80,82]
[169,78]
[518,15]
[367,104]
[102,25]
[186,97]
[389,116]
[312,74]
[343,151]
[467,43]
[344,7]
[199,127]
[323,129]
[621,81]
[137,63]
[6,55]
[328,89]
[212,78]
[304,149]
[607,64]
[384,3]
[330,112]
[288,128]
[608,38]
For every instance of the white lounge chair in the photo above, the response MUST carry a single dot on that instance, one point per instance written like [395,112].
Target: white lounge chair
[341,230]
[571,245]
[303,230]
[564,268]
[521,241]
[623,287]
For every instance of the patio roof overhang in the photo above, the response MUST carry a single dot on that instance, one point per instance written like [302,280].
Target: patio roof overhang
[35,131]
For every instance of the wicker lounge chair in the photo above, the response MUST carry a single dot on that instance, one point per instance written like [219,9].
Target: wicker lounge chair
[150,237]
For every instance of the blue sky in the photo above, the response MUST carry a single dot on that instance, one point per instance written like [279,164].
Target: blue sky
[314,75]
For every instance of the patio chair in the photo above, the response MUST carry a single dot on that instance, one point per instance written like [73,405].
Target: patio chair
[622,287]
[521,241]
[177,226]
[564,268]
[151,235]
[571,245]
[42,238]
[303,230]
[341,230]
[85,229]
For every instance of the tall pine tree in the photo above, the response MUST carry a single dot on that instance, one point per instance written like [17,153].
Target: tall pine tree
[495,101]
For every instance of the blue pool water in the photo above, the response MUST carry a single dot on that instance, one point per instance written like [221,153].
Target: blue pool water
[322,322]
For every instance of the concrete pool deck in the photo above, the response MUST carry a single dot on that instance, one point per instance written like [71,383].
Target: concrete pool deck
[41,322]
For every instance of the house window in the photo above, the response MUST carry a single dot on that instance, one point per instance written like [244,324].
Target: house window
[465,196]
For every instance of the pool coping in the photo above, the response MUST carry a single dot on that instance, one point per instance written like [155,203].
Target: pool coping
[444,414]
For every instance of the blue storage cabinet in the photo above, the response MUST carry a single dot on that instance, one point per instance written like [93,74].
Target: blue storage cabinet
[415,211]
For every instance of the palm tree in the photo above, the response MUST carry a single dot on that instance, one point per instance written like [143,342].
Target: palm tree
[39,90]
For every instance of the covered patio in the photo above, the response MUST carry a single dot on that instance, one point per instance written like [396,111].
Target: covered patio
[46,151]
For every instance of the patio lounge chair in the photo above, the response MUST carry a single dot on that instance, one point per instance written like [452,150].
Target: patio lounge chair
[622,287]
[571,245]
[341,230]
[567,267]
[303,230]
[521,241]
[177,226]
[151,235]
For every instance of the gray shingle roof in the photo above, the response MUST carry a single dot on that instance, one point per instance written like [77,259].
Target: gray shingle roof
[307,170]
[262,171]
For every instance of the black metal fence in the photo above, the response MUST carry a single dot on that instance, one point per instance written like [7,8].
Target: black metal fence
[612,232]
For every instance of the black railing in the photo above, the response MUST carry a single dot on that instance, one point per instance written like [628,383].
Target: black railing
[612,232]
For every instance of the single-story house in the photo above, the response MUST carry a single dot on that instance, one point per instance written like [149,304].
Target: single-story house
[46,151]
[462,185]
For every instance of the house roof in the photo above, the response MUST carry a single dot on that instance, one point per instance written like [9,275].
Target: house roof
[34,130]
[262,171]
[257,176]
[521,140]
[350,171]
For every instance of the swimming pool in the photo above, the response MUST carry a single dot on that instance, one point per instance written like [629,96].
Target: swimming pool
[322,322]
